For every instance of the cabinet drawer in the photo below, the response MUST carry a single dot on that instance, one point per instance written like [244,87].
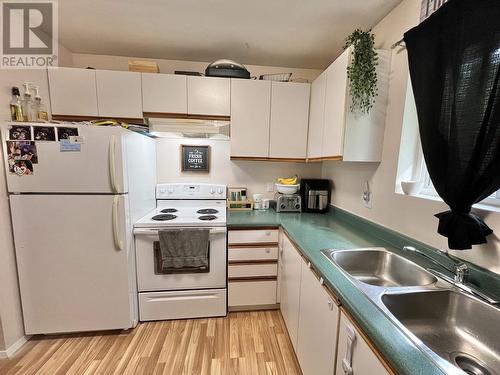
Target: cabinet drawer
[253,253]
[239,237]
[182,304]
[252,270]
[249,293]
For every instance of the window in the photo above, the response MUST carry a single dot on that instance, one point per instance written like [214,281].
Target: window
[411,164]
[428,189]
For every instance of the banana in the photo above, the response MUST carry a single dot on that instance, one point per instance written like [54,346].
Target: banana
[288,180]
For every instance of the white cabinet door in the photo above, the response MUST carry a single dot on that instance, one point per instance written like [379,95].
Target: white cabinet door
[119,94]
[164,93]
[364,133]
[316,117]
[289,120]
[209,96]
[364,361]
[318,327]
[291,268]
[250,117]
[335,105]
[73,91]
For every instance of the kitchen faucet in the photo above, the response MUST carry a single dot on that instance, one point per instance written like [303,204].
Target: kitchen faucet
[460,271]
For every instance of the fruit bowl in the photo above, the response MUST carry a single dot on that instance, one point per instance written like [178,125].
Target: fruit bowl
[287,189]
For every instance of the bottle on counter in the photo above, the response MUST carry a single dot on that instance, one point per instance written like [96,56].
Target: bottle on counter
[39,109]
[27,103]
[16,109]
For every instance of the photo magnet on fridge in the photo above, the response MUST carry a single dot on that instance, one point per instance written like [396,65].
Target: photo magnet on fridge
[20,132]
[66,133]
[21,155]
[22,150]
[44,133]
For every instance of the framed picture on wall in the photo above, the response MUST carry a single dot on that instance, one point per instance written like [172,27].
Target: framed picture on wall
[195,158]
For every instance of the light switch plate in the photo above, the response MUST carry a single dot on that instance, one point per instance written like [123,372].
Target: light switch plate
[270,187]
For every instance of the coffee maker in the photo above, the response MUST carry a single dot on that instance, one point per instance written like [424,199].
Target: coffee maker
[315,195]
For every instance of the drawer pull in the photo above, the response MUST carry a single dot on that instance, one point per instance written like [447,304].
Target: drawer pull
[347,361]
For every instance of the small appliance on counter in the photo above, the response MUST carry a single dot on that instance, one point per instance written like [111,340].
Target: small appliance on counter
[315,194]
[287,202]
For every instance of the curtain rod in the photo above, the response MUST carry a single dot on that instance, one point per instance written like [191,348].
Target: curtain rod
[399,43]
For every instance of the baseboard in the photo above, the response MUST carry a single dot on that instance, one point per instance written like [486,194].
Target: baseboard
[11,350]
[253,307]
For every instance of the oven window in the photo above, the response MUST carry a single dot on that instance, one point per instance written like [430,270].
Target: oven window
[181,264]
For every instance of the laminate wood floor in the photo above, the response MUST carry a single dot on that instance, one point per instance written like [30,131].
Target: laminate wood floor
[243,343]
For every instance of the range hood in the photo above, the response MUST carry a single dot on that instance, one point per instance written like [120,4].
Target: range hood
[188,128]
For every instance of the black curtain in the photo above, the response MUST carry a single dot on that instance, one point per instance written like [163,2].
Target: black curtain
[454,60]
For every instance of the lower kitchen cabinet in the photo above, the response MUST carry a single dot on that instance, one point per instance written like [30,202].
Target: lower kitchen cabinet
[354,355]
[252,269]
[318,326]
[291,270]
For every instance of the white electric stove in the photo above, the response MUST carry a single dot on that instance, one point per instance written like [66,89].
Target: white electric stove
[183,295]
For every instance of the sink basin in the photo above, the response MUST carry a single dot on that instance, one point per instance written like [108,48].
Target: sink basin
[380,267]
[457,327]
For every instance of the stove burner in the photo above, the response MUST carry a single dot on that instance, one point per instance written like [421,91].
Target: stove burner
[168,210]
[206,211]
[207,217]
[163,217]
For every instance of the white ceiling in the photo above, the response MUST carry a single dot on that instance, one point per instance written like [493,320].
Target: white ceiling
[291,33]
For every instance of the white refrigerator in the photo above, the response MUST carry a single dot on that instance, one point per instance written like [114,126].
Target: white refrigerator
[74,196]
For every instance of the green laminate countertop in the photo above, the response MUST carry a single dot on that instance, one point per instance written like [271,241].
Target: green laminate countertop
[314,232]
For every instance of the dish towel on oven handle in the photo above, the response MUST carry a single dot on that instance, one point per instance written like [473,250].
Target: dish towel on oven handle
[183,250]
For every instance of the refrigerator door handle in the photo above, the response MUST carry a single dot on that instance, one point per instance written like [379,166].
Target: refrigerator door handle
[116,234]
[112,164]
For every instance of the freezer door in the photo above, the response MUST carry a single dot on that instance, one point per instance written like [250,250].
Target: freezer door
[73,262]
[97,167]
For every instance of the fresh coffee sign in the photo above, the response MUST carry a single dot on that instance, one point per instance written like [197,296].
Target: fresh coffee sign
[195,158]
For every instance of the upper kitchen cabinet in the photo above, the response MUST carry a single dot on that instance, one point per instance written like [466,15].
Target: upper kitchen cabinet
[208,96]
[316,117]
[119,94]
[335,106]
[250,118]
[346,135]
[164,93]
[289,120]
[73,91]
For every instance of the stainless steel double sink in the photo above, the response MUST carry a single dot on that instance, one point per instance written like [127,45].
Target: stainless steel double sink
[458,331]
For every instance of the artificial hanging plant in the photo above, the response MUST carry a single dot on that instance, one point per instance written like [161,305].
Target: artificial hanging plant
[362,72]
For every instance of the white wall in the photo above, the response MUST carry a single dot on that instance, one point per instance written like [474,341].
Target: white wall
[169,66]
[253,175]
[408,215]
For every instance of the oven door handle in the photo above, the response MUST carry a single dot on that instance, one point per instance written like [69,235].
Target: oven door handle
[155,230]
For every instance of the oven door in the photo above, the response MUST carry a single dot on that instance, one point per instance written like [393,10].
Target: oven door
[148,280]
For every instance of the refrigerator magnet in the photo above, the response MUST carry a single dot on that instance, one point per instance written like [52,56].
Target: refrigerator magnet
[19,132]
[44,133]
[22,150]
[65,145]
[66,133]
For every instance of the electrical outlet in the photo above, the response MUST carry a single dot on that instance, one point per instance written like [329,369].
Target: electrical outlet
[270,187]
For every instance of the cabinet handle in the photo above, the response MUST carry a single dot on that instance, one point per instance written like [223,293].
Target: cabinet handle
[268,251]
[347,361]
[330,304]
